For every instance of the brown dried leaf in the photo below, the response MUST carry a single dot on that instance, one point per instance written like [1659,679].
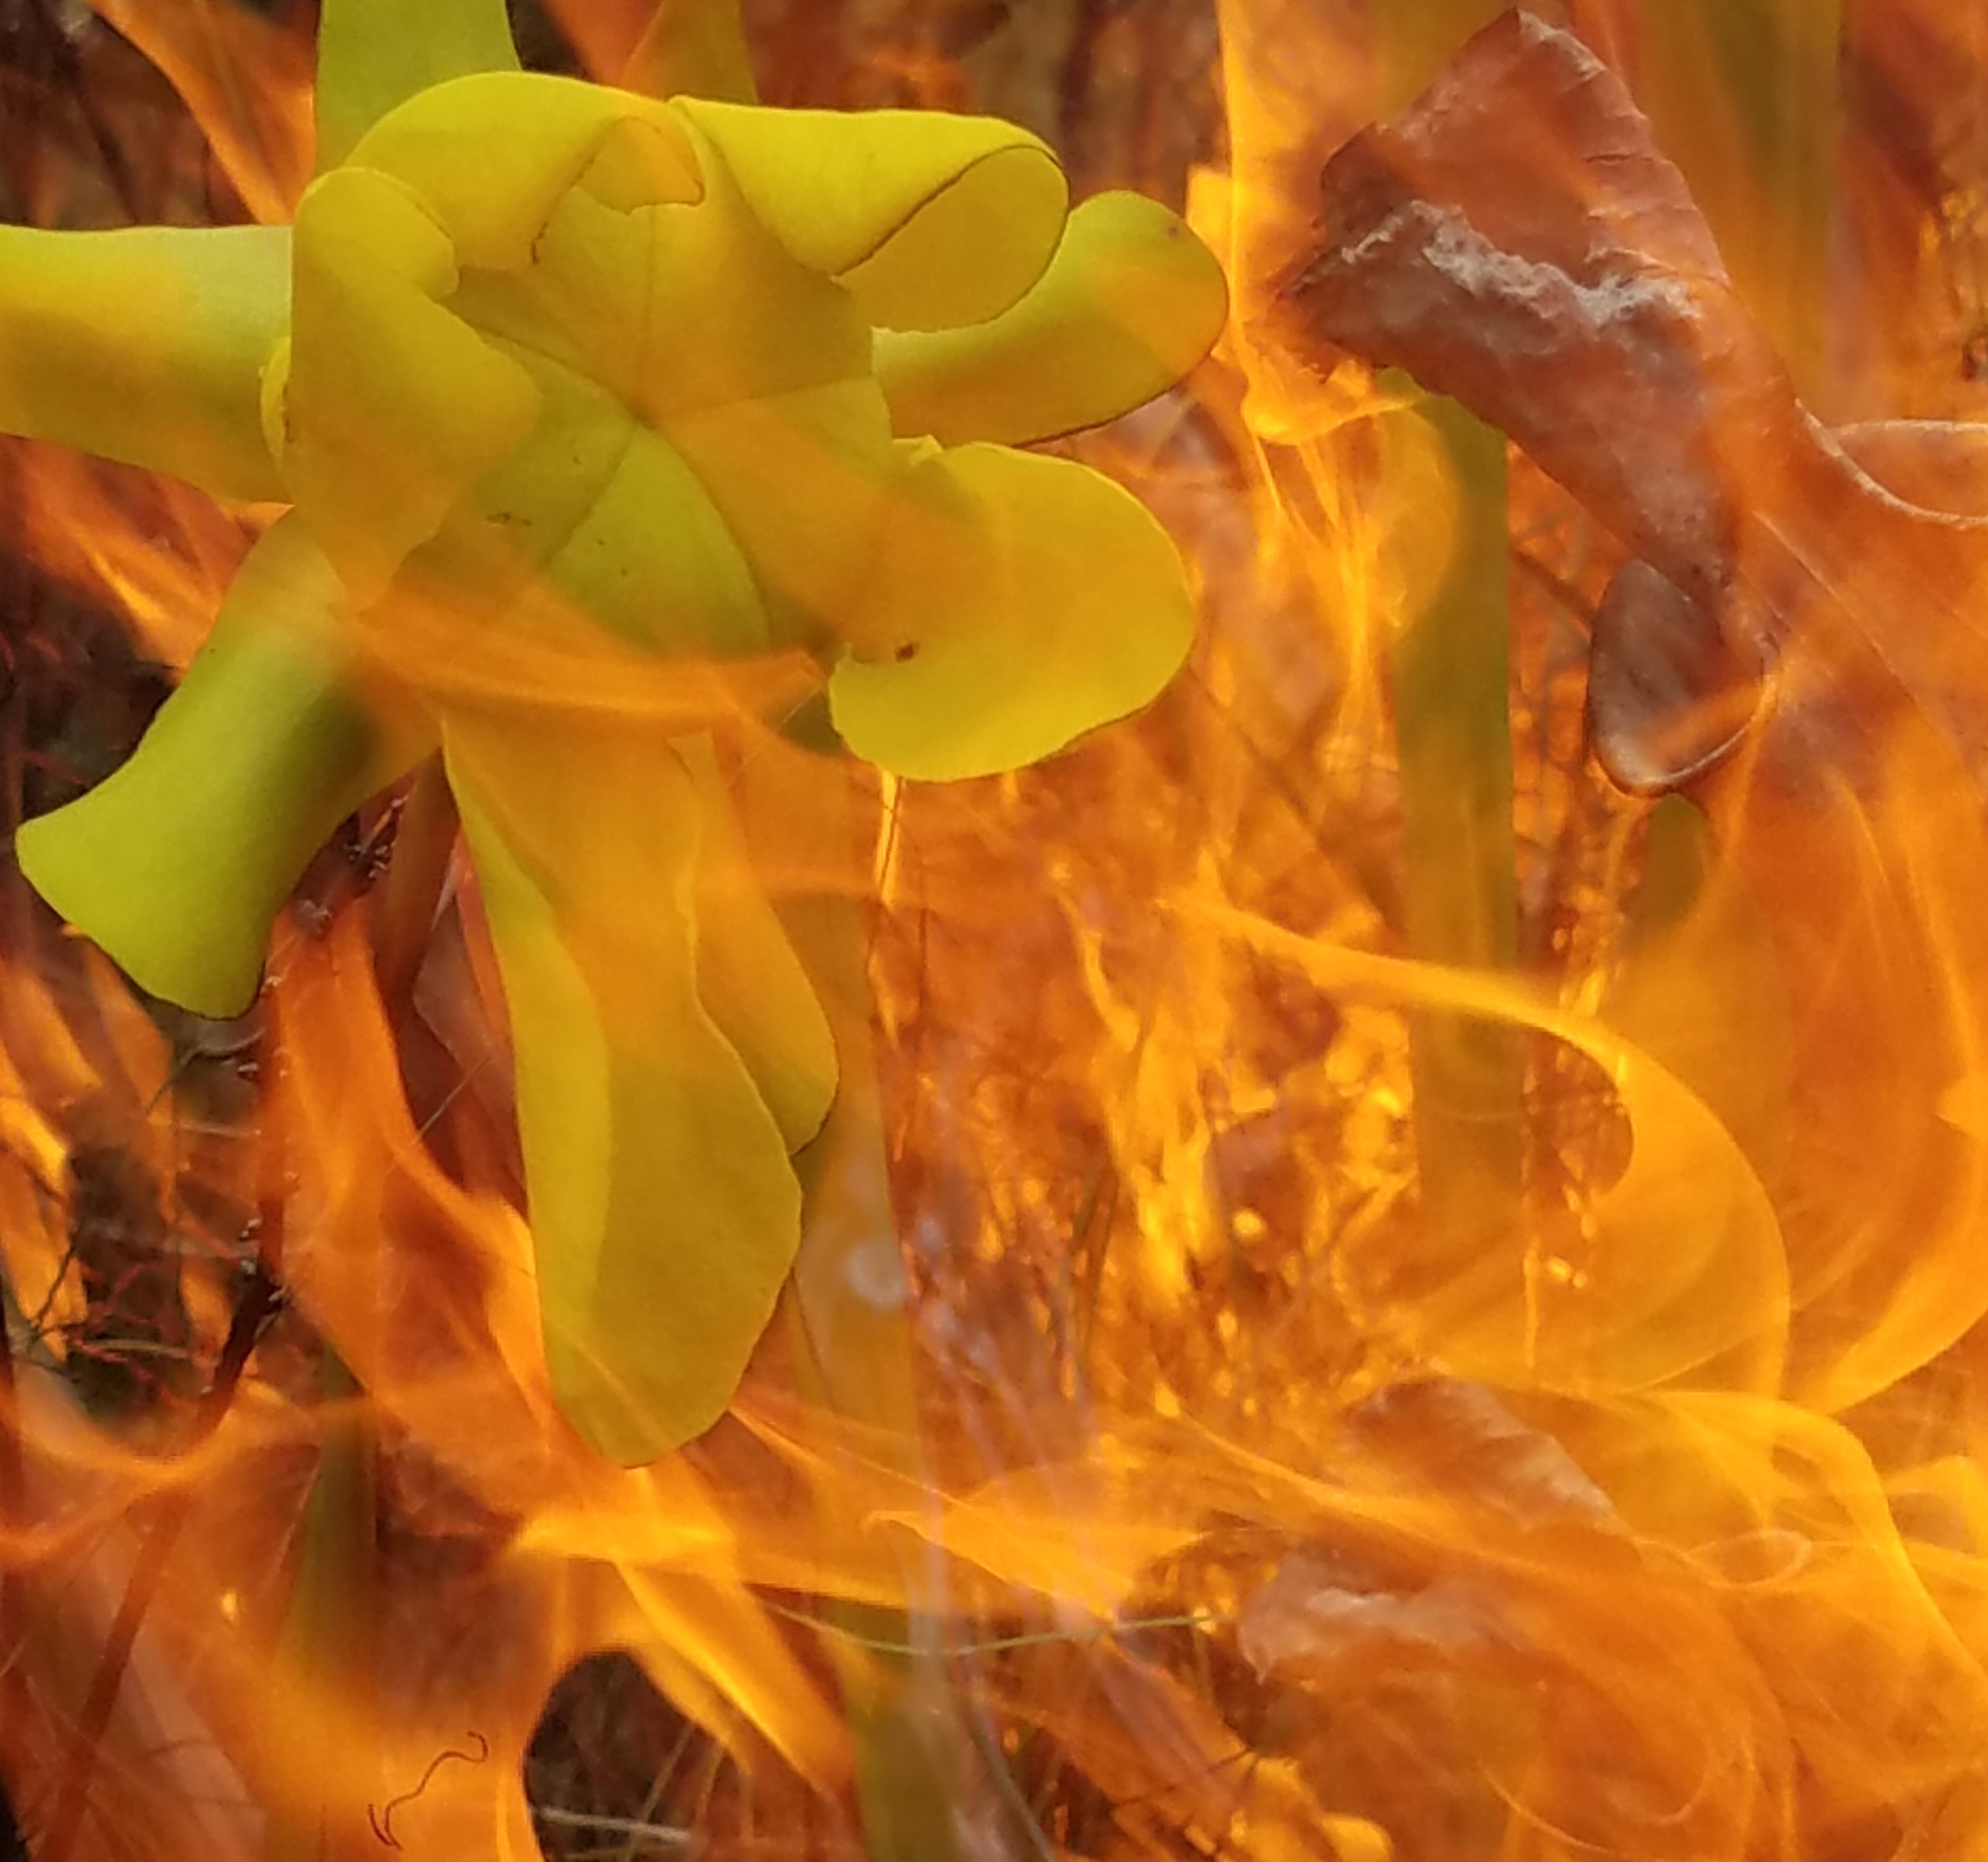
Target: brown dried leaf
[1517,240]
[1306,1620]
[1670,690]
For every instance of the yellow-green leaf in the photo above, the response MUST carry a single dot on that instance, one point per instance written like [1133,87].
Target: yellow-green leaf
[664,1211]
[373,55]
[1021,601]
[144,344]
[178,864]
[1131,301]
[929,219]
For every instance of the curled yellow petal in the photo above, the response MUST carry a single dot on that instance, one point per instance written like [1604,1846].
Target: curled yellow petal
[929,220]
[673,306]
[178,864]
[1131,301]
[144,345]
[373,55]
[1022,601]
[386,407]
[706,471]
[491,156]
[663,1212]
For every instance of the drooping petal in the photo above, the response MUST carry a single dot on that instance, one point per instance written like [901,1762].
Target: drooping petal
[386,407]
[373,55]
[144,345]
[930,220]
[178,864]
[1022,601]
[751,980]
[663,1212]
[490,156]
[693,48]
[1131,302]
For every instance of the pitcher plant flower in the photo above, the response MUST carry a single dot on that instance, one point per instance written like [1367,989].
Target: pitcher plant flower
[605,374]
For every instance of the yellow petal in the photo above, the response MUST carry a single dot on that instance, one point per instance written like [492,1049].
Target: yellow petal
[373,55]
[388,407]
[1022,601]
[673,306]
[929,220]
[144,344]
[801,479]
[178,863]
[1131,302]
[491,156]
[751,980]
[597,523]
[663,1212]
[651,559]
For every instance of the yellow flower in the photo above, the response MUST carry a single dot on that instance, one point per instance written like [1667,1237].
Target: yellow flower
[601,372]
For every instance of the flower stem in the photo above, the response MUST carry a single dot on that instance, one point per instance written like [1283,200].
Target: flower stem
[1746,98]
[854,1347]
[326,1651]
[1447,672]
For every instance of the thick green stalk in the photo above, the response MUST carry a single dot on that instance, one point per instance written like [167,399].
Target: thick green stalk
[850,1288]
[1746,96]
[325,1658]
[854,1349]
[1413,39]
[1448,671]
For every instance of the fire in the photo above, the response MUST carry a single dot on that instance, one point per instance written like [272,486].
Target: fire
[1261,1381]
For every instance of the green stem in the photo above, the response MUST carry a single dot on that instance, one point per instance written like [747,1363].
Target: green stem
[856,1355]
[325,1653]
[424,843]
[1745,97]
[1447,672]
[849,1291]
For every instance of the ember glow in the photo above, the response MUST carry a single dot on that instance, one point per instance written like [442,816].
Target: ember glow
[1260,1382]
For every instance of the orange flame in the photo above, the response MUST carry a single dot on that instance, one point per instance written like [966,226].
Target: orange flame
[1170,1489]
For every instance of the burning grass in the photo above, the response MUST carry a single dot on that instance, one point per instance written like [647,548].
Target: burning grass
[1205,1441]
